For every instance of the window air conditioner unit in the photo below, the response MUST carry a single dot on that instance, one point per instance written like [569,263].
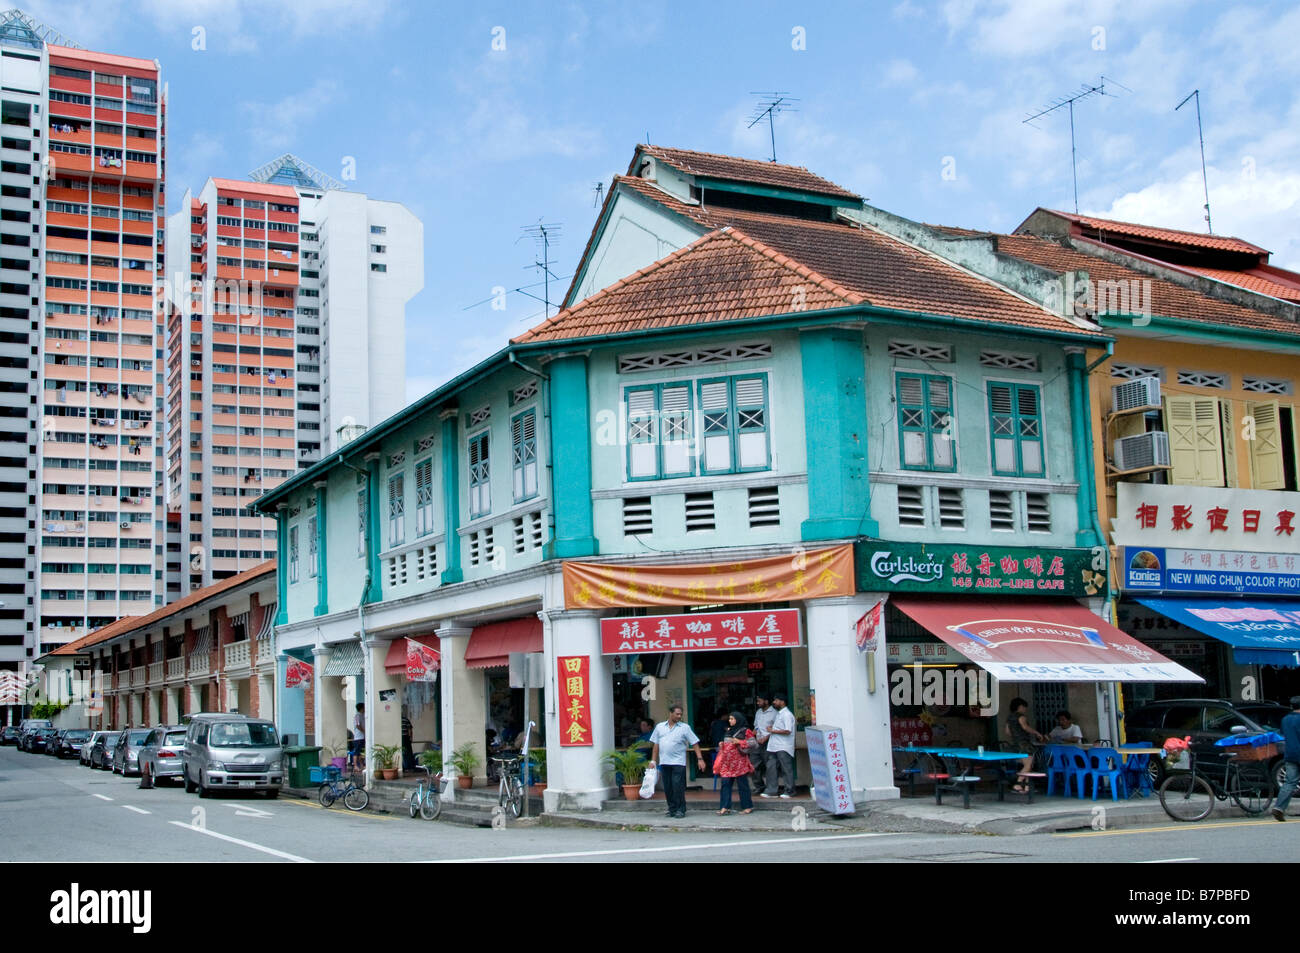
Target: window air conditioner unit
[124,525]
[1144,450]
[1139,392]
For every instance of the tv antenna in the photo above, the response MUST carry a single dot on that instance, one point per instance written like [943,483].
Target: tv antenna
[1205,182]
[1067,102]
[543,234]
[599,192]
[767,108]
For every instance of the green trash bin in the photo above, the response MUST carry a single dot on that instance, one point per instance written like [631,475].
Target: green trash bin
[300,760]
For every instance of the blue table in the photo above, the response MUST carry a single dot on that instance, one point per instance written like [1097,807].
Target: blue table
[959,781]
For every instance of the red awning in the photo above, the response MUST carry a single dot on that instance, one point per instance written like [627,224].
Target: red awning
[395,660]
[490,645]
[1041,640]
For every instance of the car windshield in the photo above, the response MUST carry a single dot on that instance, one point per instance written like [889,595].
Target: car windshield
[76,736]
[174,738]
[243,735]
[136,737]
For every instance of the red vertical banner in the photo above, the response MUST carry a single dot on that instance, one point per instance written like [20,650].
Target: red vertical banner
[575,700]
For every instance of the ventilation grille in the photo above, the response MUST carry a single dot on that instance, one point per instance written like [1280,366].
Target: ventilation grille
[1002,514]
[637,518]
[764,506]
[924,352]
[911,506]
[523,392]
[1007,359]
[1131,371]
[528,532]
[1202,379]
[424,443]
[1265,385]
[699,512]
[476,417]
[397,459]
[1038,513]
[480,547]
[703,355]
[414,564]
[952,508]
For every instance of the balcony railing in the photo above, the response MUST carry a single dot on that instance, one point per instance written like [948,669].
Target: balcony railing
[175,668]
[200,663]
[138,675]
[156,672]
[239,654]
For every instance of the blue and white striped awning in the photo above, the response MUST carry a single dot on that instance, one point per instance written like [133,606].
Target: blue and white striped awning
[268,623]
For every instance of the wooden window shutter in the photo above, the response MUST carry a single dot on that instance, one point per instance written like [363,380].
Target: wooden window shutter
[1266,468]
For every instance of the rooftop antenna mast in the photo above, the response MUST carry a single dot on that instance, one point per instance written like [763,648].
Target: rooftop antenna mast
[1196,94]
[599,191]
[1067,102]
[767,108]
[543,234]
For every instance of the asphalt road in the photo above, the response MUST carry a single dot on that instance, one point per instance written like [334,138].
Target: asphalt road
[58,811]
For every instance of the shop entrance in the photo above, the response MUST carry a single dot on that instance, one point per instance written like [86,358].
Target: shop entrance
[719,683]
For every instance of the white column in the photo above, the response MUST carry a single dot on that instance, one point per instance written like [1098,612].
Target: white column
[462,695]
[196,697]
[837,673]
[576,776]
[385,717]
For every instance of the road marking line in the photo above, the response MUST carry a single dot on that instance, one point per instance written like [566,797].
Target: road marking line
[807,838]
[1168,860]
[316,806]
[242,843]
[102,797]
[245,811]
[138,810]
[1190,826]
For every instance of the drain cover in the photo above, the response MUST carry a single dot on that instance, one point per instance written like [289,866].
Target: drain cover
[969,855]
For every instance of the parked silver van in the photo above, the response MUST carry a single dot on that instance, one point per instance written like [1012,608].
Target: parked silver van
[226,752]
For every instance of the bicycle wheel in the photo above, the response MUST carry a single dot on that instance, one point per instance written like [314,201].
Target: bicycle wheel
[415,799]
[1187,797]
[515,797]
[1252,790]
[431,806]
[326,795]
[356,799]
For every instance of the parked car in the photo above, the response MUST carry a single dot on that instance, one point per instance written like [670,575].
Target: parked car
[232,752]
[9,735]
[1205,721]
[27,727]
[160,755]
[84,754]
[126,753]
[70,742]
[39,740]
[101,755]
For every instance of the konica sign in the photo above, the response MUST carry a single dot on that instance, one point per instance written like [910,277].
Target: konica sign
[1158,569]
[996,570]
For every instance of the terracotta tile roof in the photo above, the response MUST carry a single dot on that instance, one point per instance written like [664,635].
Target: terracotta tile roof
[134,623]
[753,171]
[1252,280]
[883,270]
[723,276]
[1172,236]
[1167,298]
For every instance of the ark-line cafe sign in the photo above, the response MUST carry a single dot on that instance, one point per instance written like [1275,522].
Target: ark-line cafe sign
[997,570]
[701,632]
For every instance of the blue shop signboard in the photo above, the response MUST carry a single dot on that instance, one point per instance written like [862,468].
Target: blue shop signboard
[1162,569]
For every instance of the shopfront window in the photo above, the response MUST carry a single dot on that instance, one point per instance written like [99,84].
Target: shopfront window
[723,682]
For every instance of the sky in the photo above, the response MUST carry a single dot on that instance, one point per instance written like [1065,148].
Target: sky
[486,118]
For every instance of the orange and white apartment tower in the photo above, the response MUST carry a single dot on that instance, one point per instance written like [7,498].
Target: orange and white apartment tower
[81,241]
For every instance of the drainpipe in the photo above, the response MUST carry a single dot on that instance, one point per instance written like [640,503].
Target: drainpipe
[1096,519]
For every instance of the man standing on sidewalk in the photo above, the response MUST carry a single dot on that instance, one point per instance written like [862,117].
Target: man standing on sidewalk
[780,751]
[1291,733]
[672,738]
[764,715]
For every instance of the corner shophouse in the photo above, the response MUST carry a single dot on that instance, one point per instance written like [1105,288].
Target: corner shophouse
[1194,432]
[742,383]
[210,651]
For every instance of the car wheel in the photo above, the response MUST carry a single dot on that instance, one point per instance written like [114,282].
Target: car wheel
[272,794]
[185,779]
[203,790]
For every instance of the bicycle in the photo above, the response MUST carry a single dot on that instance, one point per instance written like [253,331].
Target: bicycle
[1190,795]
[355,797]
[427,801]
[510,792]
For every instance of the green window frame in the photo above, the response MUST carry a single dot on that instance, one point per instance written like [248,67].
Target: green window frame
[927,437]
[313,548]
[397,509]
[480,474]
[424,496]
[293,553]
[523,445]
[734,434]
[1015,429]
[660,435]
[361,521]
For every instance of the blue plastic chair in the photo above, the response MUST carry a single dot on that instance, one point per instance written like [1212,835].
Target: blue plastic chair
[1058,766]
[1137,775]
[1105,763]
[1077,768]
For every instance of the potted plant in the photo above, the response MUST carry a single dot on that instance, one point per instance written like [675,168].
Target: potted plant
[465,760]
[431,758]
[630,762]
[537,771]
[386,760]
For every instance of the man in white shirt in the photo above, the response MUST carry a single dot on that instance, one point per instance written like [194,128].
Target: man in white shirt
[668,743]
[764,715]
[780,751]
[1066,731]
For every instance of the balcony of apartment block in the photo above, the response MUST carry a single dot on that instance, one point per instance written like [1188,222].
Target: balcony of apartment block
[60,634]
[66,219]
[101,581]
[157,672]
[133,227]
[238,656]
[77,130]
[73,162]
[175,670]
[200,664]
[56,194]
[139,676]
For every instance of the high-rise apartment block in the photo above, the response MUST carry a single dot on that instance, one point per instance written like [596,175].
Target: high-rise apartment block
[287,337]
[81,202]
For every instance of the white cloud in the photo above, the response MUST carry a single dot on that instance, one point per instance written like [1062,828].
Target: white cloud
[276,125]
[899,72]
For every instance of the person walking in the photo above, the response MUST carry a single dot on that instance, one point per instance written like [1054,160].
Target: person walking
[731,764]
[672,737]
[357,759]
[1291,734]
[780,751]
[764,715]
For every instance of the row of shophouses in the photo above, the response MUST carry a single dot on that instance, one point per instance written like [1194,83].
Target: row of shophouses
[778,440]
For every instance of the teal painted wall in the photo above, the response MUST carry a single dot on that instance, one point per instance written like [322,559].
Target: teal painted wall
[635,234]
[572,417]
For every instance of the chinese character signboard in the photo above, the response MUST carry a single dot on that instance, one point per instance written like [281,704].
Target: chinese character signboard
[800,575]
[575,700]
[905,653]
[422,662]
[909,731]
[701,632]
[297,674]
[1000,570]
[1207,518]
[828,759]
[867,629]
[1157,569]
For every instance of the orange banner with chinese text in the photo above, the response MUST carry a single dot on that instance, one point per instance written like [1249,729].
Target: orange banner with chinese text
[787,578]
[575,700]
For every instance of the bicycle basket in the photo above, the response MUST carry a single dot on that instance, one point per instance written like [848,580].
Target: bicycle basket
[319,775]
[1257,747]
